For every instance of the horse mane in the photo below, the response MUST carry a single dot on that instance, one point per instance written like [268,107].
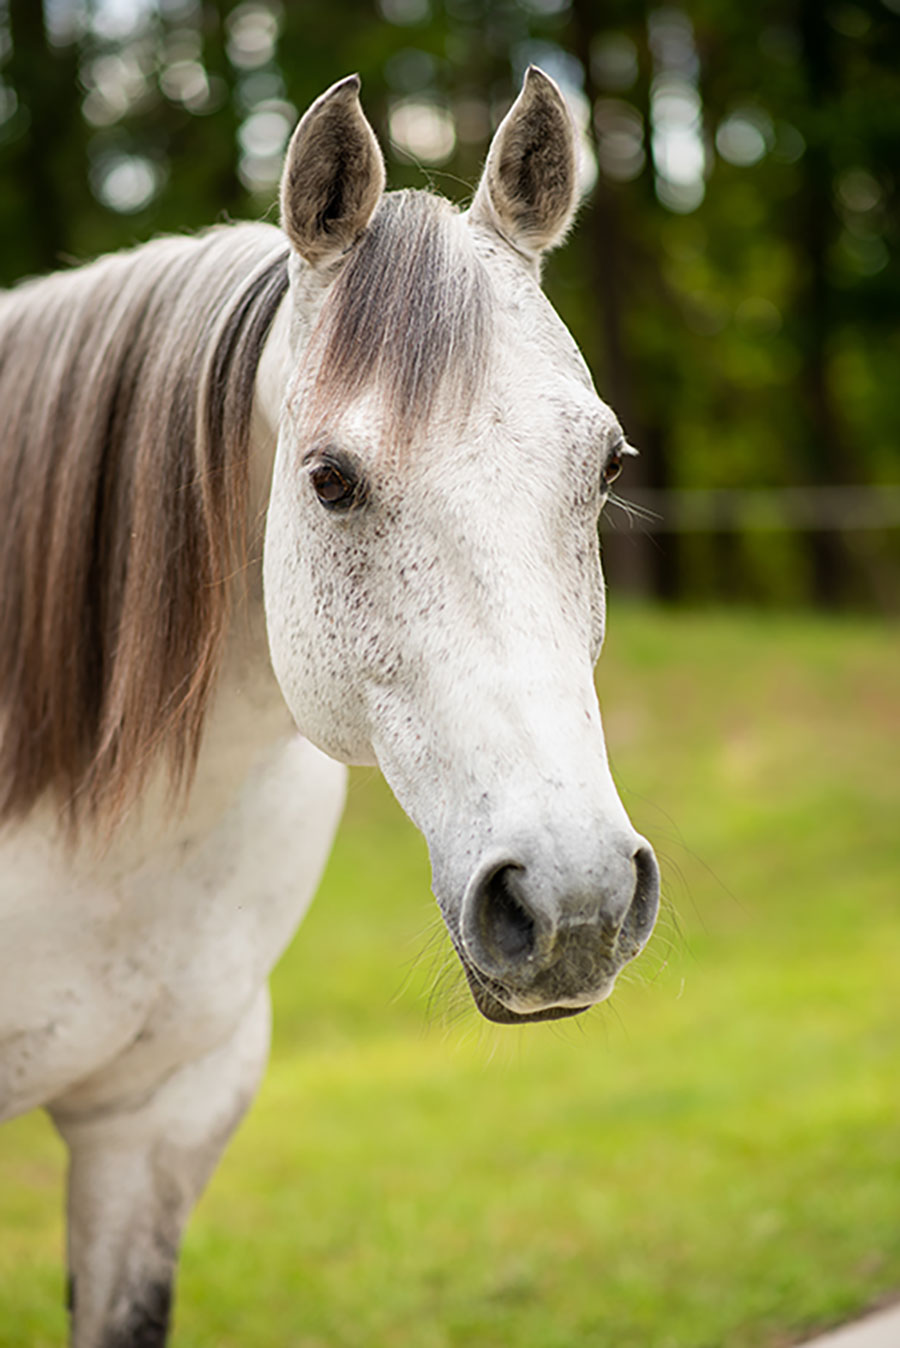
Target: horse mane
[127,389]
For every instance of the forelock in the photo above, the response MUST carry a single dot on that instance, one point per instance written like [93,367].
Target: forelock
[407,319]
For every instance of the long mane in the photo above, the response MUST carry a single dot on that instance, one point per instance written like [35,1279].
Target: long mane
[126,388]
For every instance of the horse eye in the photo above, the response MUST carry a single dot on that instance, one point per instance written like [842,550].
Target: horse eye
[613,468]
[334,488]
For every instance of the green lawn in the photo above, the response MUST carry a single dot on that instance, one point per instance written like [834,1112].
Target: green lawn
[712,1160]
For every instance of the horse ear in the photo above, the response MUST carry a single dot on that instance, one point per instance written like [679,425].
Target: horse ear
[333,175]
[528,191]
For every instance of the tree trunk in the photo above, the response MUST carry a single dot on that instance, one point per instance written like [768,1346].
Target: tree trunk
[635,561]
[45,84]
[825,459]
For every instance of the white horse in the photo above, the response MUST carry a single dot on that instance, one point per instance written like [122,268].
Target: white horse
[430,587]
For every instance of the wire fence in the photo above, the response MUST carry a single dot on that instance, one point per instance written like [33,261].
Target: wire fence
[760,510]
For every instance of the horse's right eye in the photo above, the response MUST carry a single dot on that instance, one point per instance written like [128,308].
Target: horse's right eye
[613,468]
[335,487]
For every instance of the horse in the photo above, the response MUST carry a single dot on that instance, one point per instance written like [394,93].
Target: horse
[280,499]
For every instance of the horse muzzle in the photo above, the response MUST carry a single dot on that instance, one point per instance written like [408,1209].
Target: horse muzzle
[531,951]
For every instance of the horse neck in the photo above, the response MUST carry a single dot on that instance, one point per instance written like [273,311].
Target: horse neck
[271,381]
[246,646]
[247,718]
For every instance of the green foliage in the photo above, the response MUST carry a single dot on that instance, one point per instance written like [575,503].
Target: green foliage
[734,280]
[709,1159]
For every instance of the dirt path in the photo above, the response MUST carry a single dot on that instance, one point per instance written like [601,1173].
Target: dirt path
[879,1330]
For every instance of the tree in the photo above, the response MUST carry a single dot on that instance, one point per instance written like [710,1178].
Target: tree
[735,276]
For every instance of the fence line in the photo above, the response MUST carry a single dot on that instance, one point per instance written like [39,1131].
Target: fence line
[757,509]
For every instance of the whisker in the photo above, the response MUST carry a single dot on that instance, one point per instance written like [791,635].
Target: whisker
[632,509]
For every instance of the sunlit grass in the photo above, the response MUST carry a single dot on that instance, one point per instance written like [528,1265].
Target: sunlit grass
[710,1161]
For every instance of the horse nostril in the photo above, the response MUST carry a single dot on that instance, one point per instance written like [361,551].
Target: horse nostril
[503,924]
[641,914]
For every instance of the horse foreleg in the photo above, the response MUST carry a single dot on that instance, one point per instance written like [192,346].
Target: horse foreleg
[135,1172]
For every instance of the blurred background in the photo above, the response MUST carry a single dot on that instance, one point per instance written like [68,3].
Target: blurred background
[734,282]
[712,1159]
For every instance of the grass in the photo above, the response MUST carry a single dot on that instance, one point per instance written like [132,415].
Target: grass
[712,1160]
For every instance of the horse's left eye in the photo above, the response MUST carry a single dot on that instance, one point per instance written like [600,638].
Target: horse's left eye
[613,468]
[335,489]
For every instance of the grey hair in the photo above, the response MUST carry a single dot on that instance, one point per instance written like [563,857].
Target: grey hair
[127,388]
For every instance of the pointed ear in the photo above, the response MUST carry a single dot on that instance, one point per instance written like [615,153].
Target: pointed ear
[528,191]
[333,175]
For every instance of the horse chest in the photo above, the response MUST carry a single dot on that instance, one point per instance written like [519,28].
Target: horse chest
[124,972]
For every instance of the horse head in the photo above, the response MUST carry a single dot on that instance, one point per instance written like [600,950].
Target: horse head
[434,597]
